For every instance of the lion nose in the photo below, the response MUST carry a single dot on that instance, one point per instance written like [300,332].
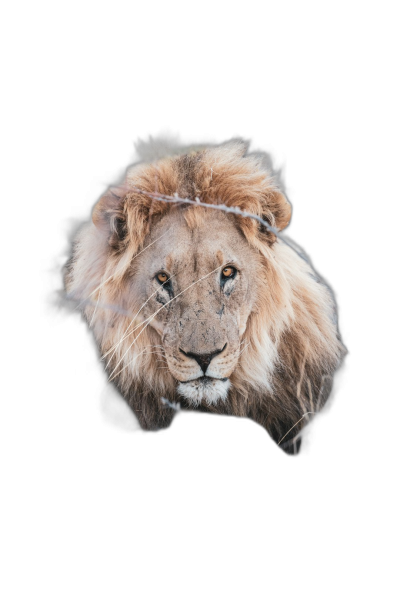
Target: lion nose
[203,359]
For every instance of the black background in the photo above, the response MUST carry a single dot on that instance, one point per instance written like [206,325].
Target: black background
[309,122]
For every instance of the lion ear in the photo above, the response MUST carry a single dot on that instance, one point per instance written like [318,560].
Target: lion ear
[109,216]
[277,209]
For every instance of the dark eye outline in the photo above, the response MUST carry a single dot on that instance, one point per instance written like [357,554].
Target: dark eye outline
[164,284]
[225,278]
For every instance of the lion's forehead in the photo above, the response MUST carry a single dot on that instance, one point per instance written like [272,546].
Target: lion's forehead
[214,242]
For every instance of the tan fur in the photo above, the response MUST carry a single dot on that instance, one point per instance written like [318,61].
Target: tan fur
[277,322]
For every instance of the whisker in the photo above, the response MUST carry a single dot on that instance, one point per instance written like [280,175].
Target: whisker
[300,382]
[321,389]
[305,414]
[159,310]
[310,394]
[126,333]
[241,352]
[95,309]
[300,397]
[121,269]
[83,301]
[133,360]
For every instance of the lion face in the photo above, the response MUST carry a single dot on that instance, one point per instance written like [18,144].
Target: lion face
[196,280]
[195,305]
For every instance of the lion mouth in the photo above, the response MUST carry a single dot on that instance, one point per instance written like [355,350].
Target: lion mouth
[206,380]
[205,389]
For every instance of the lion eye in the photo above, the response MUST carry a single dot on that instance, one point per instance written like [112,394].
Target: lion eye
[228,272]
[162,277]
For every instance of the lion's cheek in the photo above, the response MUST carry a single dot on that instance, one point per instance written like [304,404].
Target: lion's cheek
[159,326]
[242,323]
[242,319]
[242,326]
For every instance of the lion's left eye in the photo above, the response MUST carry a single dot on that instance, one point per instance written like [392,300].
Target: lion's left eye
[228,273]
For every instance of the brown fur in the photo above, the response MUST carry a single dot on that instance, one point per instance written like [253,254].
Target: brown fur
[277,320]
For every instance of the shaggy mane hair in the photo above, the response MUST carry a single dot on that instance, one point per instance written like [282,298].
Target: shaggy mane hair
[291,344]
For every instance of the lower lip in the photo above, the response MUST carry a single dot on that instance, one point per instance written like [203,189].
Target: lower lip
[216,378]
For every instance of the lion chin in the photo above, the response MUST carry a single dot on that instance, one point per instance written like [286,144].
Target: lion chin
[204,389]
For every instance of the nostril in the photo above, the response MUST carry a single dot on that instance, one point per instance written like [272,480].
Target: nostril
[203,360]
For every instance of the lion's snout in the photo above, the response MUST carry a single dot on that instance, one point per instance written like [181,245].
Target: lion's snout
[203,360]
[197,348]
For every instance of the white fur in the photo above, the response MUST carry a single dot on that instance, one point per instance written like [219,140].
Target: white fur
[209,390]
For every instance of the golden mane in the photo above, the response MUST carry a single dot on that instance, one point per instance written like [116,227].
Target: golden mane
[291,346]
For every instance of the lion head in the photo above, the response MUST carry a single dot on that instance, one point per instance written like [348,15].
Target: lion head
[205,307]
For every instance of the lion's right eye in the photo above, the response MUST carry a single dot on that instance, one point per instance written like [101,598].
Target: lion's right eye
[228,273]
[162,277]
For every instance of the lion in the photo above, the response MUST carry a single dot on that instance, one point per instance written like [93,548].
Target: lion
[206,309]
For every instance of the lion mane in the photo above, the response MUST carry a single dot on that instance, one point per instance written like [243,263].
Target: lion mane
[290,346]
